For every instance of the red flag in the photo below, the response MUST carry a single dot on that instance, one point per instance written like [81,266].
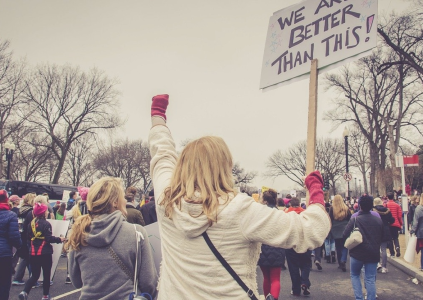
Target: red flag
[411,161]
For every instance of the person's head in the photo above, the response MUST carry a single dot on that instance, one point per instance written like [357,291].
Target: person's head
[29,199]
[4,196]
[281,203]
[355,206]
[366,203]
[390,196]
[269,197]
[377,201]
[130,194]
[413,200]
[151,194]
[205,168]
[46,195]
[40,210]
[72,195]
[294,202]
[15,199]
[41,199]
[288,196]
[340,210]
[104,197]
[62,208]
[83,192]
[57,204]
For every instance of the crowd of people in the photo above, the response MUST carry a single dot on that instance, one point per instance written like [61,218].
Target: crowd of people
[212,236]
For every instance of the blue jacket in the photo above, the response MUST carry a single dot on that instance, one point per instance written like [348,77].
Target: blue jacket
[9,233]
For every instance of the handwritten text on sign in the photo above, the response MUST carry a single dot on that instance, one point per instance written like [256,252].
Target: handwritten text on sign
[329,30]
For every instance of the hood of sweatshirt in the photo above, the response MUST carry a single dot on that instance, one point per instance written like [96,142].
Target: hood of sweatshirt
[104,229]
[382,210]
[191,220]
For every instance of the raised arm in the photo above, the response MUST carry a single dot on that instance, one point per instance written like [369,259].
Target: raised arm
[162,146]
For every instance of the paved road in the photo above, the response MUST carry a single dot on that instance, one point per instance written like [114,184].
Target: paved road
[329,284]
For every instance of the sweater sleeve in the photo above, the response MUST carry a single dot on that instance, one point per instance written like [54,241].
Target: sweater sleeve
[13,233]
[163,158]
[147,274]
[302,232]
[74,270]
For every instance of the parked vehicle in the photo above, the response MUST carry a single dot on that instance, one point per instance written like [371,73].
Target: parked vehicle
[21,188]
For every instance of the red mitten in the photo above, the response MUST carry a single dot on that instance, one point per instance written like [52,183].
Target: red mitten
[314,184]
[159,105]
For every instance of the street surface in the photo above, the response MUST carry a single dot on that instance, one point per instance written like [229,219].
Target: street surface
[329,284]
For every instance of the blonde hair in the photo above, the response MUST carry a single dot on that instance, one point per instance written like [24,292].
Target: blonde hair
[41,199]
[29,199]
[339,209]
[103,196]
[204,168]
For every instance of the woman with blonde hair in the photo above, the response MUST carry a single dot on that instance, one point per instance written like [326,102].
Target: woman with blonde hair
[200,215]
[417,229]
[25,217]
[105,251]
[340,215]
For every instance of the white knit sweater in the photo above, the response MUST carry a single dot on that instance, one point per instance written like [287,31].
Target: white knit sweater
[189,269]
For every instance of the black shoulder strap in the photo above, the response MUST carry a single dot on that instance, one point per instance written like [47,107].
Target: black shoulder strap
[228,268]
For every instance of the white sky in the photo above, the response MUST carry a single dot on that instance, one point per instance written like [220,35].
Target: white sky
[206,55]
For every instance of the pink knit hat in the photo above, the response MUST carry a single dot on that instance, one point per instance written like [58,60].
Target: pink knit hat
[15,199]
[83,192]
[39,209]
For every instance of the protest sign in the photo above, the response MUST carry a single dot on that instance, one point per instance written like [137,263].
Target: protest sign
[328,30]
[58,228]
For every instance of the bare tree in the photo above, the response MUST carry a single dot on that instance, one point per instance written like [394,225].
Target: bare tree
[241,176]
[129,160]
[359,154]
[291,163]
[12,75]
[68,104]
[79,169]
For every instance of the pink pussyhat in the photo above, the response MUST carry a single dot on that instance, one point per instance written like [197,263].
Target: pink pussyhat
[39,209]
[83,192]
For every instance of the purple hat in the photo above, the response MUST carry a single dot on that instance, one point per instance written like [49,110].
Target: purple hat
[39,209]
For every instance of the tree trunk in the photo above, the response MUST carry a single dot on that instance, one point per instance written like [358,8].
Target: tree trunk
[60,166]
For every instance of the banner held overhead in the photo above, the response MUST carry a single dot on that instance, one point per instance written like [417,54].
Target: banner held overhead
[328,30]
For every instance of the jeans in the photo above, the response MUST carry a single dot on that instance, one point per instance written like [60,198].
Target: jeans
[341,251]
[394,234]
[39,262]
[318,254]
[383,247]
[20,270]
[369,278]
[283,257]
[5,277]
[329,246]
[299,265]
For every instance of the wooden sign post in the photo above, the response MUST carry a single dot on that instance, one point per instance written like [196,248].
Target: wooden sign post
[312,121]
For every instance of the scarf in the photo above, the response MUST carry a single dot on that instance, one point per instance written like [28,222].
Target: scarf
[4,206]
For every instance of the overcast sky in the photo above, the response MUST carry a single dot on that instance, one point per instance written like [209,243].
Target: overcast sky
[206,55]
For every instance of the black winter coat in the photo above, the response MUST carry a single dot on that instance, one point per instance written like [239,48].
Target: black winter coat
[148,211]
[371,228]
[271,256]
[41,246]
[387,219]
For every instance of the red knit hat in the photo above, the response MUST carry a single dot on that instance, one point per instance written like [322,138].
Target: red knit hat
[314,184]
[4,196]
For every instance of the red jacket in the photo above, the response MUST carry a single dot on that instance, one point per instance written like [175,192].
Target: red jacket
[298,209]
[396,213]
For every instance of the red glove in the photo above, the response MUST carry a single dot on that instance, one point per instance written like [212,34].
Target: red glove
[159,105]
[314,184]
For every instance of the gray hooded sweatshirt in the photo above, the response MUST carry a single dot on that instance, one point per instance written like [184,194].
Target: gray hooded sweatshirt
[98,268]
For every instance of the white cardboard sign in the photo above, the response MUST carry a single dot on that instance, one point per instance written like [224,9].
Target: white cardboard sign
[328,30]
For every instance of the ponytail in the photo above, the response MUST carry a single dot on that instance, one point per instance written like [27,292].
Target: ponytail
[79,232]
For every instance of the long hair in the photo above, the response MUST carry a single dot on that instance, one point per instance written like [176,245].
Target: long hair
[340,210]
[204,168]
[104,195]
